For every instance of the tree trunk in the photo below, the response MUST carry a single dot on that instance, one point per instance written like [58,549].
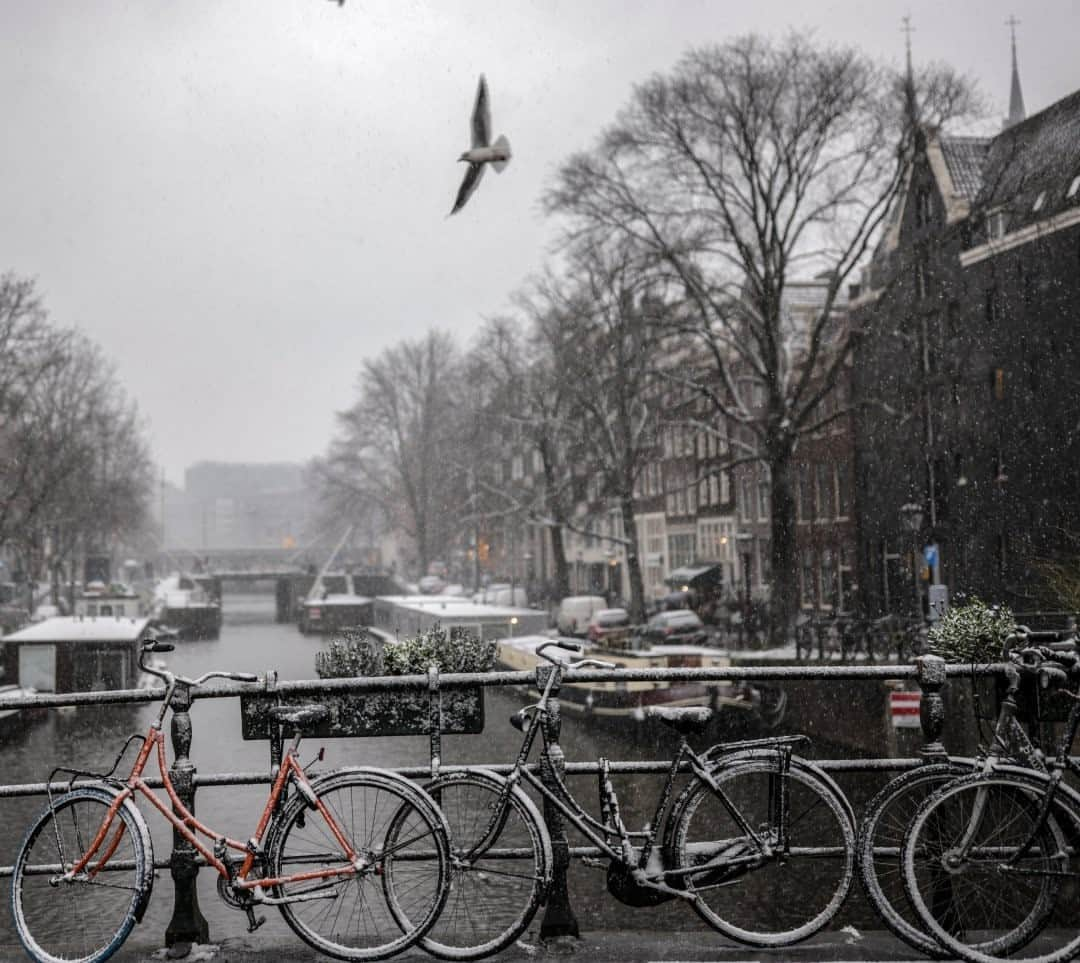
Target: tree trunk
[558,558]
[784,603]
[633,560]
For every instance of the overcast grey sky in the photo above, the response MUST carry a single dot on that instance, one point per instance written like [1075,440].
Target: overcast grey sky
[239,200]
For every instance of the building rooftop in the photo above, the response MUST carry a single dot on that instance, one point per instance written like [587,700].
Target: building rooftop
[964,157]
[72,628]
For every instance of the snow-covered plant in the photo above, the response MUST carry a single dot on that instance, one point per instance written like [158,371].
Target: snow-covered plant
[973,632]
[348,658]
[453,651]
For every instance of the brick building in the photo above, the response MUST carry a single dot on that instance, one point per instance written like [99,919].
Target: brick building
[966,371]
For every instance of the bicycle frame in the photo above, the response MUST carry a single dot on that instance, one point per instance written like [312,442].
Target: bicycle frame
[597,832]
[185,823]
[1008,730]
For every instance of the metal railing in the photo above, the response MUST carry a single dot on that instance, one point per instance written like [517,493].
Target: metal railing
[189,925]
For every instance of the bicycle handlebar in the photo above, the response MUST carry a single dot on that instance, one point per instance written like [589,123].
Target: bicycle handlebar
[170,678]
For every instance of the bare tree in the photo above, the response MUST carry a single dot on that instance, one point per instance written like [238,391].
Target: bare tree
[76,472]
[750,165]
[607,356]
[530,363]
[396,445]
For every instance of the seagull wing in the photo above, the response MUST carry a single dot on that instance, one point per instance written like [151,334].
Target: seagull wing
[468,185]
[481,116]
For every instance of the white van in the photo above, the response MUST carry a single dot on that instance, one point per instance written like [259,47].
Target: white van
[575,612]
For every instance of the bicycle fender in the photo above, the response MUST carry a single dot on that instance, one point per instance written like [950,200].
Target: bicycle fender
[1067,799]
[717,758]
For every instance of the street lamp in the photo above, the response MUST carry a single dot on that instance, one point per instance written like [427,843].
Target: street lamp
[912,516]
[745,541]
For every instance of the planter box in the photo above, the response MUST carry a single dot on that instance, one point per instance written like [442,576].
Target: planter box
[395,713]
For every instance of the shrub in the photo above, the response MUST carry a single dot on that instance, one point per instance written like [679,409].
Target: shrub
[354,655]
[974,632]
[453,651]
[363,655]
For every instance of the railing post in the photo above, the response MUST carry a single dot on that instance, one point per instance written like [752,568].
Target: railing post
[559,919]
[187,924]
[930,671]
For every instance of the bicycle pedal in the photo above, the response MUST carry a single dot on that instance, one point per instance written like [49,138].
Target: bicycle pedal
[254,922]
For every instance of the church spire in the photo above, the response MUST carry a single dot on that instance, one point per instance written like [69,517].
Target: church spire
[1016,98]
[910,105]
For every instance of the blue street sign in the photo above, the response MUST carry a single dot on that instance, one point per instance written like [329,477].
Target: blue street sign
[930,554]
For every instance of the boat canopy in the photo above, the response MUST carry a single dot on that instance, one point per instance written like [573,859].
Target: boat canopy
[701,575]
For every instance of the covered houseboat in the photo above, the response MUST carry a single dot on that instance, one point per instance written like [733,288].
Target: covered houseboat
[73,654]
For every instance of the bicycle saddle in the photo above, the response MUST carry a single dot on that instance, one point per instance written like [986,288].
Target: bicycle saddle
[302,715]
[684,720]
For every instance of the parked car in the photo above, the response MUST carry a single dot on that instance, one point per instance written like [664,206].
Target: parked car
[681,626]
[609,626]
[575,612]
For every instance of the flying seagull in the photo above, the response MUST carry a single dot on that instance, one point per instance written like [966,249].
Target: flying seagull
[481,152]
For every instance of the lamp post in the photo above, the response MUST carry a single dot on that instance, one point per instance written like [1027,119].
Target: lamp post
[745,542]
[912,516]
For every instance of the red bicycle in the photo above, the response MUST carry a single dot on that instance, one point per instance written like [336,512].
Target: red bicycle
[86,868]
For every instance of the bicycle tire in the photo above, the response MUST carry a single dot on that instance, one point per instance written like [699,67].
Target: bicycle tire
[494,894]
[1010,807]
[84,920]
[302,842]
[888,814]
[819,821]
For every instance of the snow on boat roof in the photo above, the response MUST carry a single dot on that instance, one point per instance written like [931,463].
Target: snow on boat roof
[339,599]
[529,643]
[456,606]
[72,628]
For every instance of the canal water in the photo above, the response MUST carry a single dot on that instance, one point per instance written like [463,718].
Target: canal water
[251,642]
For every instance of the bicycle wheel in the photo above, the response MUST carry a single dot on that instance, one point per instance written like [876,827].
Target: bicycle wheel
[500,857]
[965,877]
[345,915]
[881,835]
[87,918]
[774,897]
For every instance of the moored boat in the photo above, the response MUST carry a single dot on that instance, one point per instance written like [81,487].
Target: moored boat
[630,699]
[181,603]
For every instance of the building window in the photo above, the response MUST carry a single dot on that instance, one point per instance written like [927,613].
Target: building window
[803,494]
[995,225]
[824,502]
[517,468]
[828,579]
[1074,187]
[498,470]
[763,500]
[807,588]
[681,549]
[842,491]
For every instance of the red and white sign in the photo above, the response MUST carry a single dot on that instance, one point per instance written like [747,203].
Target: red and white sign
[904,709]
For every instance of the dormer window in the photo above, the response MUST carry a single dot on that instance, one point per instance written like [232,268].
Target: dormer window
[1073,187]
[995,225]
[1039,201]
